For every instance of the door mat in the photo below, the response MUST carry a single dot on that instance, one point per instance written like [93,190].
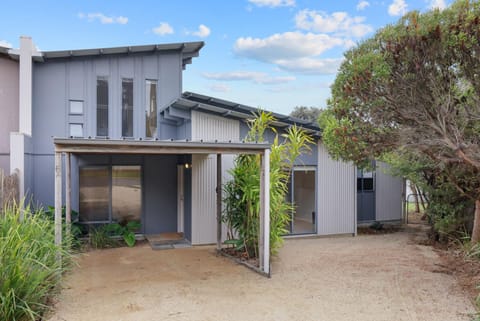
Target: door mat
[168,244]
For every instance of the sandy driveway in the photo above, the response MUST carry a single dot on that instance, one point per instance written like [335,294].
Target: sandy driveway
[377,277]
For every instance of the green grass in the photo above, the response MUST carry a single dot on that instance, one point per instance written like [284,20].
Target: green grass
[30,273]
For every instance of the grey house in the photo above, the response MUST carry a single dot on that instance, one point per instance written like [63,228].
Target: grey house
[138,147]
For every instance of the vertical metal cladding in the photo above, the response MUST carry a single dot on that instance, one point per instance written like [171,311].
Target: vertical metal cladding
[208,128]
[389,195]
[336,195]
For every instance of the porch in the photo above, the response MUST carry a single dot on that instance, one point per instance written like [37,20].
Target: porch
[106,147]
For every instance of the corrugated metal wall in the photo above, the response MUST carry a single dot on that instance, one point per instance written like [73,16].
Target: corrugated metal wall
[204,173]
[389,195]
[336,195]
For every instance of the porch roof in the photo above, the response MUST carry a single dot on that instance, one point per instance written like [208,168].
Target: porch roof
[130,146]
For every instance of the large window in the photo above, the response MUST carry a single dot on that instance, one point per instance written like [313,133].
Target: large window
[127,107]
[102,106]
[94,194]
[151,108]
[126,193]
[110,194]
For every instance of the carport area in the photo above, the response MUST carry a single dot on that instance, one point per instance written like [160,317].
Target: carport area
[372,277]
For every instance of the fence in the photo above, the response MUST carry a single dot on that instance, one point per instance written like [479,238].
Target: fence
[8,189]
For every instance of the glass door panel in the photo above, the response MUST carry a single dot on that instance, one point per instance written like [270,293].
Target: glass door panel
[303,221]
[126,194]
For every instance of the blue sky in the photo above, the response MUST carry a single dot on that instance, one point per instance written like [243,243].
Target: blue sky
[274,54]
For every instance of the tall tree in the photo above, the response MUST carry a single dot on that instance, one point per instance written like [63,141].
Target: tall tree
[306,113]
[415,85]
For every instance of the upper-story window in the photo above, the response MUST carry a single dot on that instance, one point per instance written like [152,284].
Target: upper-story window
[127,107]
[102,106]
[151,108]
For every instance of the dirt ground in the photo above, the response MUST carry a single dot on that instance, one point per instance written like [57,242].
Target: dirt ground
[388,277]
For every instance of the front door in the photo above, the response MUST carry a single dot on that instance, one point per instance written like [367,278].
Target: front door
[302,195]
[365,195]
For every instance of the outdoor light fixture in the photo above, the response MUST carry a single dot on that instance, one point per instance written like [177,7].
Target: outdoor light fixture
[187,165]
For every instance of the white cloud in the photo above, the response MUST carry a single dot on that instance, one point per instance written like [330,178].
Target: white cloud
[293,52]
[273,3]
[337,22]
[254,76]
[220,87]
[163,29]
[310,65]
[103,18]
[362,5]
[437,4]
[287,45]
[397,8]
[202,32]
[5,44]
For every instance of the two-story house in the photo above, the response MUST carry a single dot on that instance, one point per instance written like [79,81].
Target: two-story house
[136,147]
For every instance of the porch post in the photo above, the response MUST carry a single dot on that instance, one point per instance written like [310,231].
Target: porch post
[68,194]
[264,215]
[58,198]
[219,201]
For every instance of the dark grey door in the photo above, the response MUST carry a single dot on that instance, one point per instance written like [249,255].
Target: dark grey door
[365,195]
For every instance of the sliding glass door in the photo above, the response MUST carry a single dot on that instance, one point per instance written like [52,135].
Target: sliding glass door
[302,195]
[110,194]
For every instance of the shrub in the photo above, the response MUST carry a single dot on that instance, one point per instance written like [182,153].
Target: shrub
[30,272]
[100,238]
[242,193]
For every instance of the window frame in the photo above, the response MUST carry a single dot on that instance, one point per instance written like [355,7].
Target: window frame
[109,167]
[131,121]
[106,79]
[148,106]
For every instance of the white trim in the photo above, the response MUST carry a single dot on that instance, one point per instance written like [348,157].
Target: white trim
[180,200]
[266,212]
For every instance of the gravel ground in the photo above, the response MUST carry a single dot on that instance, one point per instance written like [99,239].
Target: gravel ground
[370,277]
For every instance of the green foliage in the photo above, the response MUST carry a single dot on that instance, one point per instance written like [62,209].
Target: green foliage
[30,272]
[242,200]
[410,95]
[76,228]
[127,231]
[100,238]
[306,113]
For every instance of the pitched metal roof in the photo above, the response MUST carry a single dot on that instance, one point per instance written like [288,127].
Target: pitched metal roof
[189,50]
[230,109]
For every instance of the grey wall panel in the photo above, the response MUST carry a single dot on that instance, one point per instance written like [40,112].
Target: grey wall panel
[28,168]
[43,182]
[169,79]
[75,79]
[204,199]
[75,180]
[160,184]
[5,162]
[167,131]
[204,173]
[389,195]
[188,203]
[85,160]
[49,105]
[336,195]
[307,159]
[8,107]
